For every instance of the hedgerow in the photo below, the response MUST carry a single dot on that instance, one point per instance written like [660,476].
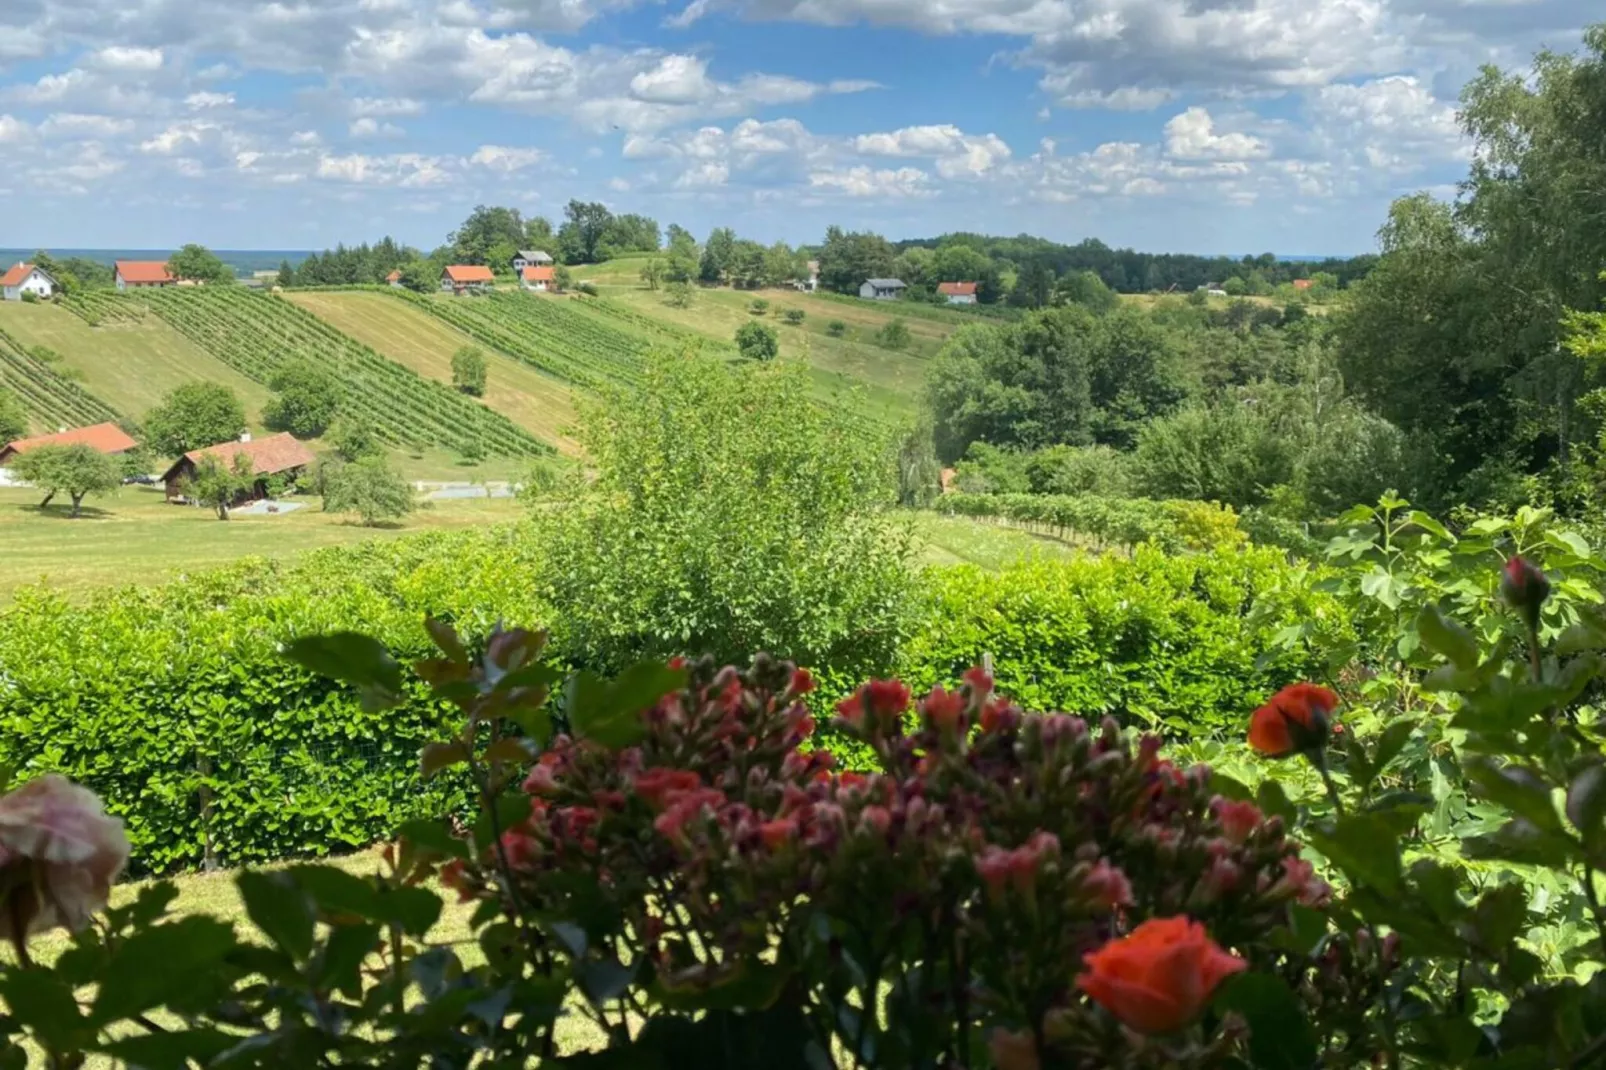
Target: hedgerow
[1105,521]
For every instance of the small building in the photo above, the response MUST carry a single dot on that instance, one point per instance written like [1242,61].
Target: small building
[530,258]
[542,279]
[1303,284]
[393,280]
[107,438]
[958,293]
[882,289]
[26,279]
[812,283]
[466,278]
[277,455]
[140,274]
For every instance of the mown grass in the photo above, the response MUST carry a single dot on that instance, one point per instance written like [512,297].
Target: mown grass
[135,537]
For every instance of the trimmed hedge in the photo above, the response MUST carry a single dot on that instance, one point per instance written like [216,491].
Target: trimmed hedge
[147,696]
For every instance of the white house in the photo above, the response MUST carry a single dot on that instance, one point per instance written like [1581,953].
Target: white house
[958,293]
[539,278]
[882,289]
[812,283]
[26,279]
[530,258]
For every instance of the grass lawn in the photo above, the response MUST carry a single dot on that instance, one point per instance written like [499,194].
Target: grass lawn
[956,540]
[129,366]
[536,402]
[136,537]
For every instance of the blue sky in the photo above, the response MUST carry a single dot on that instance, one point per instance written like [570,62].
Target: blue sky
[1189,125]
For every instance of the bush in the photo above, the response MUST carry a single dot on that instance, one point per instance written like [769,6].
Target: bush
[1174,525]
[13,417]
[306,397]
[794,316]
[836,328]
[469,370]
[758,341]
[368,487]
[587,288]
[894,335]
[758,306]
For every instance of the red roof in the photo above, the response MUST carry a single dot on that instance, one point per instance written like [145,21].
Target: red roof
[107,438]
[276,453]
[540,274]
[394,276]
[1303,284]
[957,289]
[462,273]
[144,271]
[16,275]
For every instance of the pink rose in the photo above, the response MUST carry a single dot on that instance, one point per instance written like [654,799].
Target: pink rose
[59,854]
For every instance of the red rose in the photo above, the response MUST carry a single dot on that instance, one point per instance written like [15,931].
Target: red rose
[1238,819]
[1524,588]
[1160,977]
[802,682]
[1295,720]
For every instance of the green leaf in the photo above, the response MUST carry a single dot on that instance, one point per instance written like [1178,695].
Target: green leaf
[1391,742]
[1519,789]
[1280,1038]
[1430,525]
[511,750]
[1273,801]
[512,810]
[280,909]
[161,963]
[415,909]
[337,892]
[610,714]
[351,658]
[445,639]
[1568,540]
[1499,916]
[172,1050]
[431,834]
[1447,638]
[1228,788]
[1364,847]
[437,756]
[42,1002]
[602,980]
[339,964]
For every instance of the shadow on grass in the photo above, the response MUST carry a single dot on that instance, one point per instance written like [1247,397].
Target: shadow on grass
[64,512]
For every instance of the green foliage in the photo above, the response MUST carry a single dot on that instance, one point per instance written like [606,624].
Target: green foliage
[469,370]
[847,259]
[306,397]
[1070,470]
[919,473]
[487,230]
[1086,289]
[758,306]
[758,341]
[352,440]
[197,263]
[725,510]
[220,485]
[29,297]
[894,334]
[194,416]
[582,237]
[653,272]
[47,396]
[77,470]
[13,419]
[1174,526]
[836,328]
[678,294]
[794,316]
[368,487]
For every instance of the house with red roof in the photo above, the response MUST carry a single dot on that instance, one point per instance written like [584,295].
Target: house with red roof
[542,279]
[142,274]
[462,279]
[108,438]
[277,455]
[958,293]
[1304,284]
[394,279]
[26,279]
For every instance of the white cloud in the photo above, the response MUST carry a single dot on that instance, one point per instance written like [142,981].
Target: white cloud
[673,80]
[81,125]
[179,136]
[368,127]
[1191,135]
[13,129]
[505,160]
[868,182]
[124,58]
[384,107]
[204,100]
[957,154]
[1394,124]
[407,170]
[703,174]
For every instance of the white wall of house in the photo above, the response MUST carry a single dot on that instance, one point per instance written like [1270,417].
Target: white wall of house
[961,299]
[540,285]
[37,283]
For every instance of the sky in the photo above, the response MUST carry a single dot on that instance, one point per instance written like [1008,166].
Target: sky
[1207,126]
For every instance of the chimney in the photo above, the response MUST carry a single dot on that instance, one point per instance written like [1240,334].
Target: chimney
[245,436]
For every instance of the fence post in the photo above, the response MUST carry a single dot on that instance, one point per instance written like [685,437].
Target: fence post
[987,664]
[203,765]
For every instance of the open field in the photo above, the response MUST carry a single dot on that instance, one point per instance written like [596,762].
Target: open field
[410,337]
[136,537]
[129,366]
[958,540]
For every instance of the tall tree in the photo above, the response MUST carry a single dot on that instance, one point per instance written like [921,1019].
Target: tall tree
[76,470]
[306,396]
[719,255]
[585,226]
[847,259]
[220,485]
[483,231]
[469,370]
[197,263]
[194,416]
[538,234]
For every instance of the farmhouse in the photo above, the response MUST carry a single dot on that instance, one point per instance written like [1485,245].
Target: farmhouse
[108,438]
[26,279]
[530,258]
[812,283]
[394,279]
[466,278]
[882,289]
[539,278]
[958,293]
[136,274]
[1303,284]
[280,454]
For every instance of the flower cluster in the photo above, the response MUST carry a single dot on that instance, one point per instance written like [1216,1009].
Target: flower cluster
[1064,878]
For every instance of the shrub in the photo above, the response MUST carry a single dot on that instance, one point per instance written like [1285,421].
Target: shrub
[794,316]
[1095,470]
[679,294]
[758,341]
[587,288]
[1173,525]
[894,335]
[758,306]
[836,328]
[29,297]
[13,417]
[368,487]
[469,370]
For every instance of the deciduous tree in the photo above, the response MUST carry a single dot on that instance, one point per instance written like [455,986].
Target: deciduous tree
[368,487]
[469,370]
[197,263]
[76,470]
[193,416]
[13,419]
[220,485]
[757,341]
[306,396]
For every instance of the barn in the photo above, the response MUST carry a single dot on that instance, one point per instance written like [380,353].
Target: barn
[277,455]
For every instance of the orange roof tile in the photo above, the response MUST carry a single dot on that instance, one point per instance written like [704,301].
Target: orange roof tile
[957,289]
[540,274]
[1303,284]
[144,271]
[276,453]
[107,438]
[461,273]
[394,276]
[16,275]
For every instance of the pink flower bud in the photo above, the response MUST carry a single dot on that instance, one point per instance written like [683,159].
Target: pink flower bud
[1238,819]
[1524,588]
[778,833]
[1108,886]
[878,819]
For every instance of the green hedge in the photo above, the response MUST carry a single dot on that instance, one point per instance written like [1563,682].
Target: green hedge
[1185,644]
[139,692]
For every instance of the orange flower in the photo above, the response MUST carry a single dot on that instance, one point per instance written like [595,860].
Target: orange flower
[1294,720]
[1159,978]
